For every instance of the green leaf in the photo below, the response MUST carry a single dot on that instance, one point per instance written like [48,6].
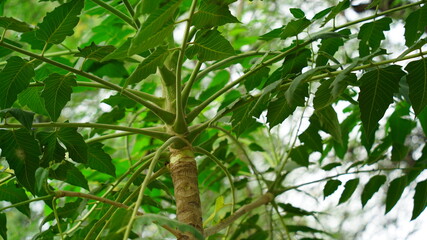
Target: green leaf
[329,123]
[341,6]
[31,97]
[9,192]
[146,7]
[420,199]
[75,144]
[24,117]
[275,33]
[57,92]
[22,153]
[42,175]
[68,173]
[330,166]
[294,27]
[59,23]
[371,34]
[13,24]
[99,160]
[290,209]
[417,81]
[311,138]
[297,12]
[15,77]
[52,150]
[330,187]
[95,52]
[415,25]
[300,155]
[349,188]
[294,63]
[324,97]
[330,46]
[148,66]
[322,13]
[372,187]
[69,210]
[119,53]
[156,28]
[213,13]
[3,224]
[210,45]
[394,192]
[30,38]
[256,148]
[376,94]
[292,93]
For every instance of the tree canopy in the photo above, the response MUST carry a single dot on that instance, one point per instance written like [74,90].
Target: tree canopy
[204,119]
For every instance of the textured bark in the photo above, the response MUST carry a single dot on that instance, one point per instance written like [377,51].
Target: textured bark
[183,170]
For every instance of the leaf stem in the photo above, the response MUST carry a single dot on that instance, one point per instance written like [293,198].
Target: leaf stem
[116,12]
[152,132]
[26,202]
[230,60]
[226,172]
[180,125]
[164,115]
[145,182]
[189,84]
[131,12]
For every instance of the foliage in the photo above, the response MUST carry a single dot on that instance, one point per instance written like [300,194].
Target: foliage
[172,83]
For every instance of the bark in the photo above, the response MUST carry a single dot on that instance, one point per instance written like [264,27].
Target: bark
[183,169]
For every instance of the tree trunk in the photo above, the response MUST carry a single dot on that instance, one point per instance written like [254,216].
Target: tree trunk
[183,170]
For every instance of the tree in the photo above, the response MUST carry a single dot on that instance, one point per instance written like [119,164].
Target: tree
[189,93]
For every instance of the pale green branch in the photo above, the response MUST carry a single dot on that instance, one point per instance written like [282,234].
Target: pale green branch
[116,12]
[151,132]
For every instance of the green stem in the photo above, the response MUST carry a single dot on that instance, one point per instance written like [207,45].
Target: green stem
[162,114]
[109,136]
[227,173]
[116,12]
[145,183]
[3,180]
[131,12]
[180,125]
[55,213]
[143,131]
[53,54]
[156,100]
[230,60]
[189,84]
[26,202]
[193,114]
[282,220]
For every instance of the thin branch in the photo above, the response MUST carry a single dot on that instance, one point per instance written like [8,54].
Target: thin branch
[61,193]
[131,12]
[230,60]
[116,12]
[152,132]
[180,125]
[189,84]
[154,99]
[226,172]
[263,199]
[145,183]
[162,114]
[53,54]
[109,136]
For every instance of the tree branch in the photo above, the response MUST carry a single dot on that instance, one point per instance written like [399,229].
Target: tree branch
[180,125]
[165,116]
[151,132]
